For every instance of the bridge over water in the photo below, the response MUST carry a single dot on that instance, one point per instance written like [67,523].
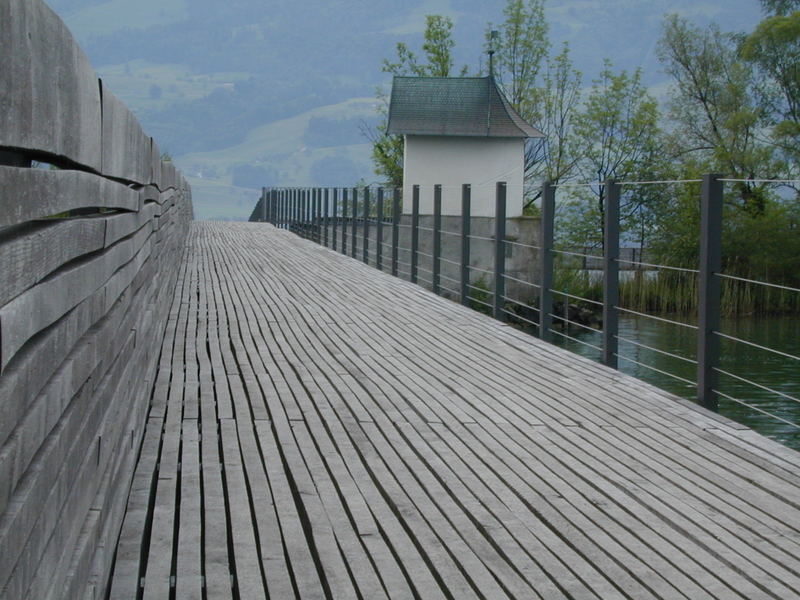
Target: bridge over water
[200,410]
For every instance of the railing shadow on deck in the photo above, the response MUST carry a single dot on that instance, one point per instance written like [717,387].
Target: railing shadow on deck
[473,267]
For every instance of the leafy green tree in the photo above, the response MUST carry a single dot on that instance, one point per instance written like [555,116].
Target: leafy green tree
[521,49]
[780,7]
[617,129]
[774,48]
[387,150]
[717,115]
[544,89]
[555,157]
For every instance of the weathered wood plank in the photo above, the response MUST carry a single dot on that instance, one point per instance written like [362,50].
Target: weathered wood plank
[44,304]
[34,252]
[125,148]
[48,90]
[29,194]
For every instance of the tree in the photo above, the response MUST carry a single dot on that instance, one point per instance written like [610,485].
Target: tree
[387,150]
[714,107]
[780,7]
[555,157]
[521,48]
[617,129]
[543,89]
[774,49]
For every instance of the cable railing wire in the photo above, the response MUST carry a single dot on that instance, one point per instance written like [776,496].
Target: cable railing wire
[759,346]
[516,316]
[772,285]
[581,298]
[644,264]
[447,260]
[522,281]
[664,352]
[581,325]
[567,252]
[760,180]
[758,385]
[480,270]
[655,318]
[513,243]
[756,408]
[662,182]
[518,303]
[480,237]
[574,339]
[636,362]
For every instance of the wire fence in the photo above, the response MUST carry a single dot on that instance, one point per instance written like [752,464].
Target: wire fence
[525,279]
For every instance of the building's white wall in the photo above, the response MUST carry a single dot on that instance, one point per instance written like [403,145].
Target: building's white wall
[453,161]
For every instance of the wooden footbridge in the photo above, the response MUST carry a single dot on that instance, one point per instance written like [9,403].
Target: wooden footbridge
[319,429]
[212,411]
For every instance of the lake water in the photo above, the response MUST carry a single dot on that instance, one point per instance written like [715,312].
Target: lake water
[765,368]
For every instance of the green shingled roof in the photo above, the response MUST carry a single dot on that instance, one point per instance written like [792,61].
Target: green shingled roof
[457,106]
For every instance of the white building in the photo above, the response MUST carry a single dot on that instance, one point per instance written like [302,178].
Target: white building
[459,130]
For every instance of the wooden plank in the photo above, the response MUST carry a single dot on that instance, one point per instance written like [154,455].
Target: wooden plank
[50,97]
[32,253]
[189,579]
[47,302]
[32,194]
[125,148]
[128,564]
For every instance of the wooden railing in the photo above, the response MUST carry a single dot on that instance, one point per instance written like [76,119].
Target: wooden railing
[92,225]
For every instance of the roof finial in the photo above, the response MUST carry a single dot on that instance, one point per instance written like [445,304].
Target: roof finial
[493,35]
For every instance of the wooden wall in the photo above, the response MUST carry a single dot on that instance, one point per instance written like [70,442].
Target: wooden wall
[89,252]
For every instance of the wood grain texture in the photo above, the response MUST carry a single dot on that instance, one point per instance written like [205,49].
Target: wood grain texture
[29,194]
[125,149]
[49,94]
[361,437]
[30,254]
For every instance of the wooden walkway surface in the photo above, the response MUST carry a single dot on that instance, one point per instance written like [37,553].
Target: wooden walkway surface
[322,430]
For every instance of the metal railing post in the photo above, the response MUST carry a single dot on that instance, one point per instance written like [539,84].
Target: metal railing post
[354,244]
[611,275]
[395,228]
[318,208]
[379,231]
[436,267]
[365,231]
[708,308]
[312,229]
[499,251]
[344,221]
[466,220]
[546,262]
[263,205]
[335,212]
[414,232]
[326,218]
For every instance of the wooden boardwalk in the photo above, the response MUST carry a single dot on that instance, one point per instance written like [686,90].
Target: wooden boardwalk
[322,430]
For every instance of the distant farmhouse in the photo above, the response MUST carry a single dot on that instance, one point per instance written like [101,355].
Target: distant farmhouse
[459,130]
